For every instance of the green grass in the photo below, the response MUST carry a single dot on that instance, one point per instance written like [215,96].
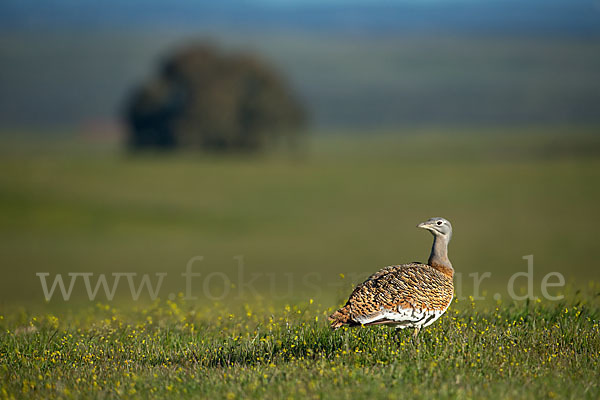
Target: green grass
[348,205]
[179,350]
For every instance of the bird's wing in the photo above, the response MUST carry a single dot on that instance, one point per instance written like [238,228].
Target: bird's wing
[400,293]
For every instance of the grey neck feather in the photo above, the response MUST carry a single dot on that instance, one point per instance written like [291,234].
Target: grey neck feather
[439,252]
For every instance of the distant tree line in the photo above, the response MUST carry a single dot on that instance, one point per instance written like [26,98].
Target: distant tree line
[209,99]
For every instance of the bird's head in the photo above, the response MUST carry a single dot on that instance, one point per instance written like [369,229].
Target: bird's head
[439,227]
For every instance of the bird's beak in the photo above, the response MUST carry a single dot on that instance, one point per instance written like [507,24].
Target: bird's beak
[424,225]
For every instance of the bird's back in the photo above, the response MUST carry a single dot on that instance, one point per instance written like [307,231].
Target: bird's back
[408,295]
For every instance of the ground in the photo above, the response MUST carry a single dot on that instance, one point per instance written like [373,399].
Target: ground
[175,349]
[322,218]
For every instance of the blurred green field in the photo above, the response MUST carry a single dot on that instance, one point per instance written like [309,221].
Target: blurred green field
[343,204]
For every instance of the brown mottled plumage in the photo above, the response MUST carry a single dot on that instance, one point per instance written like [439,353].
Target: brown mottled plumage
[409,295]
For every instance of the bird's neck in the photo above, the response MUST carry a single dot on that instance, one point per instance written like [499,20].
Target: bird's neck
[438,258]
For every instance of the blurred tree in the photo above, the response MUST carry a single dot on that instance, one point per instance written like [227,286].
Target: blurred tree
[203,98]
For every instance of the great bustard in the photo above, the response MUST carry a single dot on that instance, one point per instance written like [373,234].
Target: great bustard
[408,296]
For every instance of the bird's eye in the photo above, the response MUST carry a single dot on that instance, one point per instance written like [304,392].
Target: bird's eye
[439,222]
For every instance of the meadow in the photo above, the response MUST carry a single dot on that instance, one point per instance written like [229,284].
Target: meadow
[170,349]
[335,210]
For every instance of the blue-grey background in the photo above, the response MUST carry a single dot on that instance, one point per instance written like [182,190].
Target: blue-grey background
[355,63]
